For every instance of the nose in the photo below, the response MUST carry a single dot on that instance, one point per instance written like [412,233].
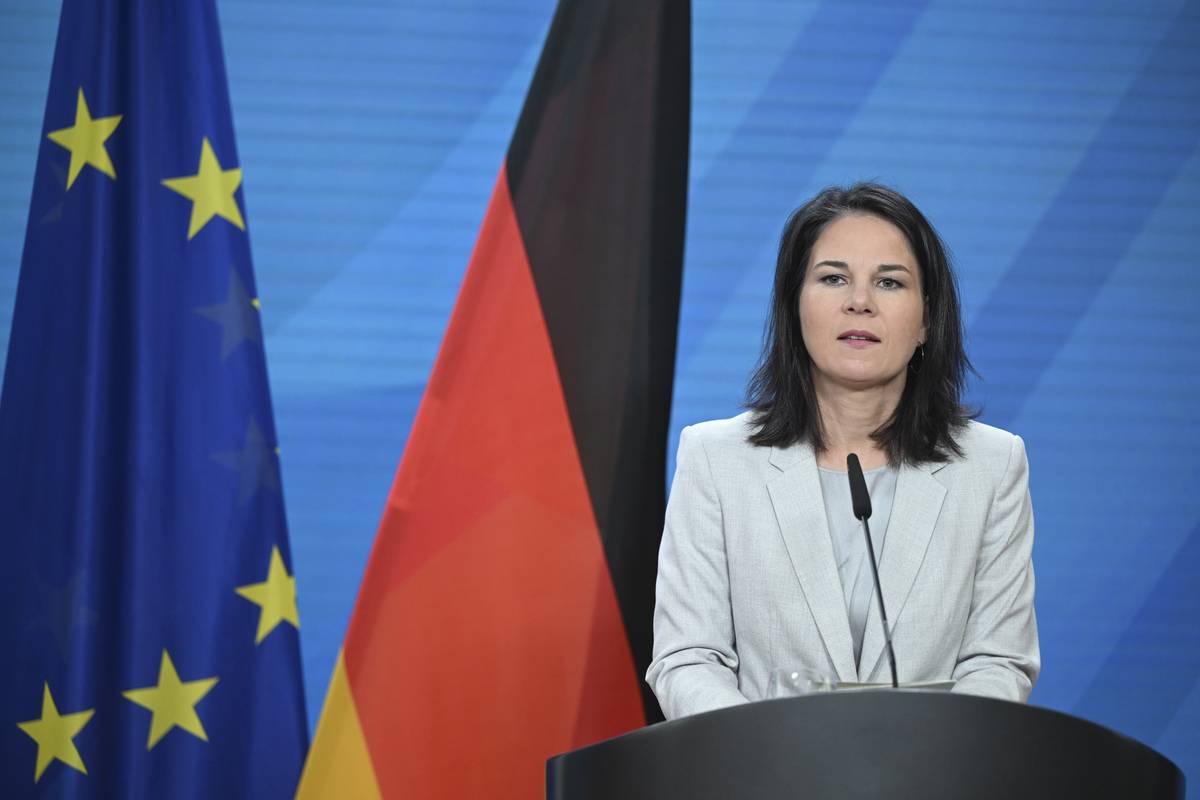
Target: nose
[858,299]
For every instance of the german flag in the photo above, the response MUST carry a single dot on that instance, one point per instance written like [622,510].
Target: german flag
[505,612]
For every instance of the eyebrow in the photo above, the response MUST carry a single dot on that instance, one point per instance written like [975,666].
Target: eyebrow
[880,268]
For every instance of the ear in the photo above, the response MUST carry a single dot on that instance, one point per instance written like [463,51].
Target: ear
[924,322]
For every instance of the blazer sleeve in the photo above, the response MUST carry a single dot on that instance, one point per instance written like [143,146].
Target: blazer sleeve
[1000,656]
[694,666]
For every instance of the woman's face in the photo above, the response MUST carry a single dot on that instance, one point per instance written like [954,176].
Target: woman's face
[862,312]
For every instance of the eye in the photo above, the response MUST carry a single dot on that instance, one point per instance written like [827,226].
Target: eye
[890,283]
[832,279]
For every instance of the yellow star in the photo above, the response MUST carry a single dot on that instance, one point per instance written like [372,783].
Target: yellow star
[210,190]
[53,734]
[172,702]
[276,595]
[85,139]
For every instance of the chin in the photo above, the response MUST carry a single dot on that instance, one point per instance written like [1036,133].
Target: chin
[860,379]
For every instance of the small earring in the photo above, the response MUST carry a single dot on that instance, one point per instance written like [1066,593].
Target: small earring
[917,360]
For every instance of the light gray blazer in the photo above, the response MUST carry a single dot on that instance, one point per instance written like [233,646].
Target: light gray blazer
[747,580]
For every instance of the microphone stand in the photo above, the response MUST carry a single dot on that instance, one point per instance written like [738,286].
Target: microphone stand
[861,500]
[887,631]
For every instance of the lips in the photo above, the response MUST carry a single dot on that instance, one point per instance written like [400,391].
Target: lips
[858,337]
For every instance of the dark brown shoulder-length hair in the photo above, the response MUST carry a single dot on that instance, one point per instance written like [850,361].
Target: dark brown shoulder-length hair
[781,392]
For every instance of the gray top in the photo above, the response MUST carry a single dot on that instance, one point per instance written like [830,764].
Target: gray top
[849,544]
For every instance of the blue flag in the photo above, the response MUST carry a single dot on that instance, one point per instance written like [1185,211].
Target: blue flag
[148,618]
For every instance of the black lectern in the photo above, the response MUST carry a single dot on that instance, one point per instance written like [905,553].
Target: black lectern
[867,744]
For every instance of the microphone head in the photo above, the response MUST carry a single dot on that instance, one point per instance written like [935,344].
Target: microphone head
[860,498]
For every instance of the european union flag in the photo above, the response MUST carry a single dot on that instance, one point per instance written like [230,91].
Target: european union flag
[148,621]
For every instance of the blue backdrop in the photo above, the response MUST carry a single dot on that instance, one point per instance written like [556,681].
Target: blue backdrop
[1055,148]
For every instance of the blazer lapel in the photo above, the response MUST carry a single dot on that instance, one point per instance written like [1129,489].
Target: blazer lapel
[800,511]
[915,509]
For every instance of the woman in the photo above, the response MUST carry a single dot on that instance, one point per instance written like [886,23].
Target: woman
[762,564]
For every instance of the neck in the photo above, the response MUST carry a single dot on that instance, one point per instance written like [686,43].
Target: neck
[850,415]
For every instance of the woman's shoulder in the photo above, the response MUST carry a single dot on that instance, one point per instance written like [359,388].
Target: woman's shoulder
[734,431]
[724,445]
[985,446]
[721,437]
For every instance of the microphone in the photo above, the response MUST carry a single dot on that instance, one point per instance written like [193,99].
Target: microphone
[860,498]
